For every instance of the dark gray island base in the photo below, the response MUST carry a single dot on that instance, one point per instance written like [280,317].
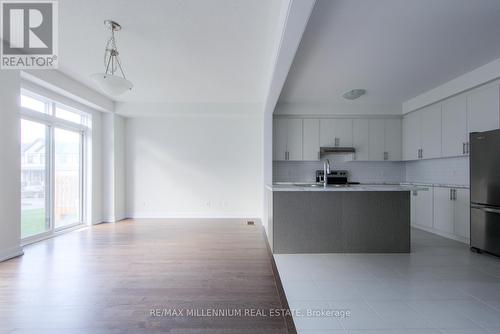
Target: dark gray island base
[340,221]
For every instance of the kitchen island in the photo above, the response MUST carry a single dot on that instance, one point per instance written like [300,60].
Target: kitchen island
[311,218]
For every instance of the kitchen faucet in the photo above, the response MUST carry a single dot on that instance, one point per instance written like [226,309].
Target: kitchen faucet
[326,171]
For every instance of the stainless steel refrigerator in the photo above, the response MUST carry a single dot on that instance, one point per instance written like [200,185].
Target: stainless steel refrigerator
[485,191]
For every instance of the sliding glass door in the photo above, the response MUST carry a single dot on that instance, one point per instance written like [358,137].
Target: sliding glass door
[34,177]
[67,177]
[53,166]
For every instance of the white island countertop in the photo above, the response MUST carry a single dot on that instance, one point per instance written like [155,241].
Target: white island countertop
[303,186]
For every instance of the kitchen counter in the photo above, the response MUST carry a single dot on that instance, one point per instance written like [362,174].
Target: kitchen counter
[299,186]
[365,218]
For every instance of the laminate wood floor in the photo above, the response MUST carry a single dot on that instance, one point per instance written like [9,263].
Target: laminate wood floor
[109,278]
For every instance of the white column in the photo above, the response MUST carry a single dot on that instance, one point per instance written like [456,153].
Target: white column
[10,165]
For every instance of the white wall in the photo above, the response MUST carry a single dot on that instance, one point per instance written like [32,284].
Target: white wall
[107,166]
[194,166]
[10,166]
[113,168]
[119,165]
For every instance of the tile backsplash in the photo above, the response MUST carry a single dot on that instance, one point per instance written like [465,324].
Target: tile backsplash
[359,171]
[446,170]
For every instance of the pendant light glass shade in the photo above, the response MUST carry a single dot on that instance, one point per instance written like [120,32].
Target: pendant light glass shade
[109,81]
[112,84]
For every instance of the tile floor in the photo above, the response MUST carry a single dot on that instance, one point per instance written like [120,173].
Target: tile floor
[441,288]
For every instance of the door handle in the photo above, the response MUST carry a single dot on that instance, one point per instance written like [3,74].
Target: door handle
[485,209]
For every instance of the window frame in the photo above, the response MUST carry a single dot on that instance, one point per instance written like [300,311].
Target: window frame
[51,121]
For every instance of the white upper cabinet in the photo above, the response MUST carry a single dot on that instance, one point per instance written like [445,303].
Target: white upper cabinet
[393,140]
[335,132]
[294,139]
[361,139]
[377,139]
[411,131]
[454,125]
[310,146]
[430,132]
[287,139]
[280,134]
[343,131]
[445,127]
[483,108]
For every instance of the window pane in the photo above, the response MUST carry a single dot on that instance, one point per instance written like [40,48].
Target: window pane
[33,176]
[33,104]
[68,115]
[67,183]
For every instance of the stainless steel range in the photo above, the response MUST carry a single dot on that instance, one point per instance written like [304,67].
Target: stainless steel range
[335,177]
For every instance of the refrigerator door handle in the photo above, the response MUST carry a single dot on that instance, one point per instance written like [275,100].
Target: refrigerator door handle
[485,209]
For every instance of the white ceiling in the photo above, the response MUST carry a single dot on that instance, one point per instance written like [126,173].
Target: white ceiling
[176,51]
[396,49]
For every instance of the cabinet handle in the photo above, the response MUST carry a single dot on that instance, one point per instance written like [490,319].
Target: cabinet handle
[337,142]
[421,153]
[467,148]
[454,194]
[463,148]
[451,194]
[386,155]
[287,155]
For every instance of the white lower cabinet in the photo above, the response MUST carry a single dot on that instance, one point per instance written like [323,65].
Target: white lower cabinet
[462,213]
[421,208]
[443,211]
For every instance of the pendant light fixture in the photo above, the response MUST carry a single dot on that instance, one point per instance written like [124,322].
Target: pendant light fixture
[110,81]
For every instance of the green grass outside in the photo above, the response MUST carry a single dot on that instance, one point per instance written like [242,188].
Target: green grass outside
[32,222]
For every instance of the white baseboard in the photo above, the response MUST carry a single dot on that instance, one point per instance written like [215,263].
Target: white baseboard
[193,215]
[442,234]
[11,253]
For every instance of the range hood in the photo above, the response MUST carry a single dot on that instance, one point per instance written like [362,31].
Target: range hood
[336,149]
